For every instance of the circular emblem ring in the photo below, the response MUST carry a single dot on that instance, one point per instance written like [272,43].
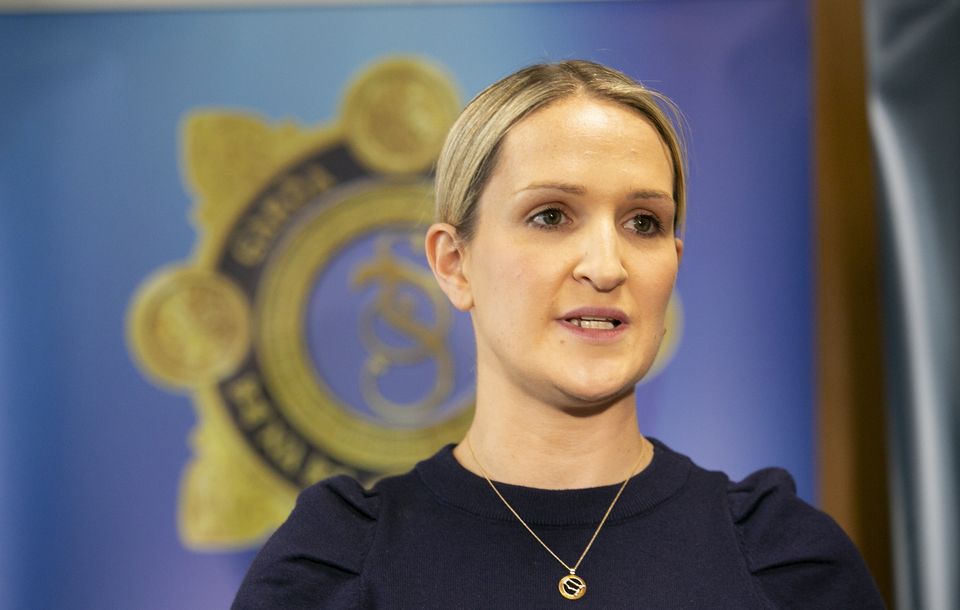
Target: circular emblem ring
[288,368]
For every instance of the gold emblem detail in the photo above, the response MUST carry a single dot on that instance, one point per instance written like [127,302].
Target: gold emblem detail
[190,326]
[397,116]
[572,586]
[392,275]
[277,206]
[288,368]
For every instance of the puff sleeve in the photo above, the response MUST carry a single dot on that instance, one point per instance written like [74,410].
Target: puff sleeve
[799,555]
[315,558]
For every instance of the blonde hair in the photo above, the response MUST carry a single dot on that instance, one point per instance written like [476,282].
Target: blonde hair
[469,154]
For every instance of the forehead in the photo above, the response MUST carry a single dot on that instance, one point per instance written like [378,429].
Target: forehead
[579,136]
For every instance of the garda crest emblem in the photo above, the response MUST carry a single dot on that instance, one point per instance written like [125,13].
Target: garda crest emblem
[306,327]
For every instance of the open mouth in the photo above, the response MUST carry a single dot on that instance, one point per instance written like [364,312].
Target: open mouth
[595,323]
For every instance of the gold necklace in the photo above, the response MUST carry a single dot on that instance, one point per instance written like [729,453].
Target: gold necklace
[571,586]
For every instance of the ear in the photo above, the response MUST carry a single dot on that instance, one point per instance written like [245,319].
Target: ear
[446,256]
[679,243]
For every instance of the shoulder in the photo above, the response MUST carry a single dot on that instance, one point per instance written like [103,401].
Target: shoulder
[314,558]
[800,556]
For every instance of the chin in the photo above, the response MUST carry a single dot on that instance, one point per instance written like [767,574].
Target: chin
[593,396]
[602,382]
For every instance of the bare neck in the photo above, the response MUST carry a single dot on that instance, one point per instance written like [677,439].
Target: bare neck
[524,442]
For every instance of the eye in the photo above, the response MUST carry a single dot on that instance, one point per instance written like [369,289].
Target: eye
[551,217]
[645,224]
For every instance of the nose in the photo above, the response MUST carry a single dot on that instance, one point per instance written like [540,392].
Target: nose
[601,264]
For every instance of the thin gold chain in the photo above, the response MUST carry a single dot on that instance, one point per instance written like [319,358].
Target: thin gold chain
[573,570]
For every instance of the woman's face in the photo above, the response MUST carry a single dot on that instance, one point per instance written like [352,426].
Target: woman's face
[574,258]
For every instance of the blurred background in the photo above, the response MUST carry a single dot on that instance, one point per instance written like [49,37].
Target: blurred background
[212,291]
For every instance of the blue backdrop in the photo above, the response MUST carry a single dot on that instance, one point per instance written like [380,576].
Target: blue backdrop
[92,200]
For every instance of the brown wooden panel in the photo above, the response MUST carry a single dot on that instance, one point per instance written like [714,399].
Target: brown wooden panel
[851,400]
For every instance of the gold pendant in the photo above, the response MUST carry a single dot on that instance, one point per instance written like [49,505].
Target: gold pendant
[572,586]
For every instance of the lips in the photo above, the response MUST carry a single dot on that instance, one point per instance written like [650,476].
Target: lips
[601,319]
[596,323]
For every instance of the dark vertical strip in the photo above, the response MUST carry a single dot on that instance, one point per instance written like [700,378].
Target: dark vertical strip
[914,107]
[851,416]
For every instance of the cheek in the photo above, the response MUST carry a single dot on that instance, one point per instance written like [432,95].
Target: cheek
[517,286]
[654,287]
[534,280]
[515,268]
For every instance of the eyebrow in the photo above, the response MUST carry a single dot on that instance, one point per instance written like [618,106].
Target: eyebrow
[576,189]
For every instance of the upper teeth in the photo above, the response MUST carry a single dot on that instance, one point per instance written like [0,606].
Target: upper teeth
[600,323]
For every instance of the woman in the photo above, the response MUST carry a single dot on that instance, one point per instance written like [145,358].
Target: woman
[560,196]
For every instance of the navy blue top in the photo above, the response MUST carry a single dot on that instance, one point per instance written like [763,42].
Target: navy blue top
[438,537]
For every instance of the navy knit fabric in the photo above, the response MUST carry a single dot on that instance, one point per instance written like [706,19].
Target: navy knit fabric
[438,537]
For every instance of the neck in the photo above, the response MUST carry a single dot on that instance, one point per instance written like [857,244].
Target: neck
[525,442]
